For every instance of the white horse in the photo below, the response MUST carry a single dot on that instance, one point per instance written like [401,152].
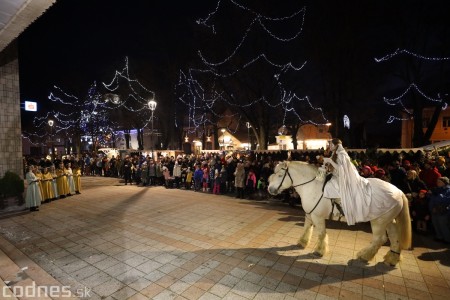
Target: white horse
[304,178]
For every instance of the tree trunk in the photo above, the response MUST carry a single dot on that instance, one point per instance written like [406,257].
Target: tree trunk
[126,133]
[140,138]
[432,125]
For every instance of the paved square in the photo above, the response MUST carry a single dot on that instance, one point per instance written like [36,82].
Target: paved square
[127,242]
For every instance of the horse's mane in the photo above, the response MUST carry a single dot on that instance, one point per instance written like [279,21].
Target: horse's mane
[319,171]
[314,167]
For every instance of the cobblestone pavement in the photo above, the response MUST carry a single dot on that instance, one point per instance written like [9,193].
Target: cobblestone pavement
[128,242]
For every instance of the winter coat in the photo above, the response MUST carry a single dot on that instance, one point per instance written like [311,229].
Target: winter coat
[239,177]
[177,170]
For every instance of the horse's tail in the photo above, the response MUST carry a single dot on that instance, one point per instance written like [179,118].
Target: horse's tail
[403,221]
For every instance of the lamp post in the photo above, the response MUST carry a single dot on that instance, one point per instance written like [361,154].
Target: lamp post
[152,106]
[223,137]
[51,123]
[248,125]
[328,132]
[328,127]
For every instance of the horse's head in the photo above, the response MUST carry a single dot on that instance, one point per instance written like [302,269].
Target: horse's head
[278,181]
[294,173]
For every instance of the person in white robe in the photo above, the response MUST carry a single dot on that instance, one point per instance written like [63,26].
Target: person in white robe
[69,173]
[346,184]
[33,195]
[54,185]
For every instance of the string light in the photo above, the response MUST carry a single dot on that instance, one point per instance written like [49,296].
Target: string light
[260,19]
[399,101]
[412,85]
[404,51]
[204,101]
[257,19]
[393,118]
[92,111]
[283,67]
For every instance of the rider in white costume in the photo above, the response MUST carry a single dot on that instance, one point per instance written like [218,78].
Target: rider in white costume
[347,185]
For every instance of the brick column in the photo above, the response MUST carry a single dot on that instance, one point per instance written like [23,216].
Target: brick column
[10,126]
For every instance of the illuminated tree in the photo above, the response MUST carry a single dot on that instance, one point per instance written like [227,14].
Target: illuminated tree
[129,99]
[256,78]
[418,69]
[98,115]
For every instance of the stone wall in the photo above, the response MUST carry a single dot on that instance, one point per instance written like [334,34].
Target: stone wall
[10,126]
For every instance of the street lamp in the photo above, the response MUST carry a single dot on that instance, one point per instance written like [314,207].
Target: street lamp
[248,125]
[152,106]
[51,123]
[223,138]
[328,127]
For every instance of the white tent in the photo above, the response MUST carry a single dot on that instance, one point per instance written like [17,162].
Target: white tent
[438,145]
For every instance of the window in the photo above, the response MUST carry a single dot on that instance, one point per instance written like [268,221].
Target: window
[446,122]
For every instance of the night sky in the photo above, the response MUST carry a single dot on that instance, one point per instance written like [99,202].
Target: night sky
[80,41]
[77,42]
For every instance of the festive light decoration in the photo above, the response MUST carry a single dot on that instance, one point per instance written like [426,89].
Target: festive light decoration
[90,115]
[404,51]
[399,99]
[346,121]
[260,19]
[138,93]
[197,88]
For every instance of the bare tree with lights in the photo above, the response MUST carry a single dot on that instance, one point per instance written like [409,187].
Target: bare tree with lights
[124,106]
[256,78]
[130,100]
[417,80]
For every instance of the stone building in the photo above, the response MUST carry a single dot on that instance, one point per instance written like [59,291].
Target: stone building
[15,17]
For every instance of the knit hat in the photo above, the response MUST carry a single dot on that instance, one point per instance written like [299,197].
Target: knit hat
[444,180]
[367,168]
[380,171]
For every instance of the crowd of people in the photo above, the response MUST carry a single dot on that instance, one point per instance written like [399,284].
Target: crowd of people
[423,178]
[426,184]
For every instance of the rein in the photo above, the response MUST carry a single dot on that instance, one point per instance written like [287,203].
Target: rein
[290,177]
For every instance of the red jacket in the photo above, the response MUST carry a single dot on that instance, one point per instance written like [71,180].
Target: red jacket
[430,176]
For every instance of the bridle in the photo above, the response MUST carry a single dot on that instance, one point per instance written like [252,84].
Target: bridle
[286,172]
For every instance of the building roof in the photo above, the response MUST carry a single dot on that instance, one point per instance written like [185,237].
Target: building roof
[17,15]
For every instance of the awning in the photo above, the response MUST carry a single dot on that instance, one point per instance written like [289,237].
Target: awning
[439,145]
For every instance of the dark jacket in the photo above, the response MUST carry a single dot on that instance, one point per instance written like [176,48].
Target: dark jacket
[439,201]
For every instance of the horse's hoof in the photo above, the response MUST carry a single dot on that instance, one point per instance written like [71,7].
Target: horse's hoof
[388,264]
[362,259]
[302,245]
[316,253]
